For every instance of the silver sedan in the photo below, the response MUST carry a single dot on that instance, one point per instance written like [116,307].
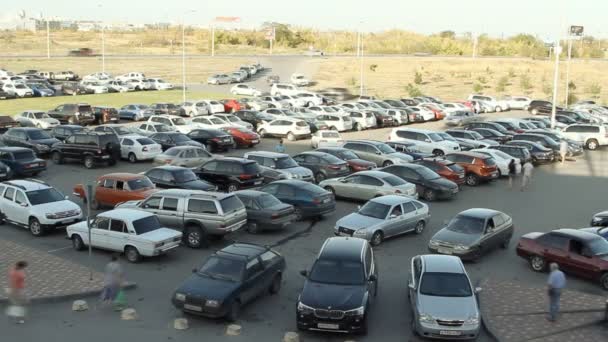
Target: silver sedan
[384,217]
[186,156]
[365,185]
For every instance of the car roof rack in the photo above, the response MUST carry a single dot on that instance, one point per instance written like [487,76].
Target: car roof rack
[15,185]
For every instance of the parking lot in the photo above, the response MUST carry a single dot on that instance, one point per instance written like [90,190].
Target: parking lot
[559,196]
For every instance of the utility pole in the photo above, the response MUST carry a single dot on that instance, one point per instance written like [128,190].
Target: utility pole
[568,70]
[103,49]
[475,42]
[183,61]
[557,51]
[212,40]
[48,40]
[361,64]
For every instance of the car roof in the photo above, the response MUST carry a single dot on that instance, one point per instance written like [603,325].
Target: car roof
[235,159]
[442,263]
[123,175]
[471,154]
[128,214]
[184,148]
[251,193]
[193,193]
[365,141]
[374,173]
[417,130]
[28,185]
[267,154]
[343,248]
[241,250]
[479,212]
[314,153]
[392,199]
[14,149]
[577,234]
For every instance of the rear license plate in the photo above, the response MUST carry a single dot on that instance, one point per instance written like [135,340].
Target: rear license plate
[255,141]
[193,307]
[257,183]
[327,200]
[450,332]
[443,251]
[328,326]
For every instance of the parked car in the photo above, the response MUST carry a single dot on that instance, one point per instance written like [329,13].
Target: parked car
[265,212]
[133,232]
[193,108]
[177,177]
[473,233]
[36,139]
[231,105]
[19,161]
[600,219]
[292,129]
[219,79]
[536,107]
[384,217]
[429,184]
[36,206]
[540,139]
[276,166]
[91,148]
[186,156]
[95,87]
[591,136]
[425,140]
[234,121]
[209,122]
[323,165]
[445,168]
[326,139]
[36,118]
[495,104]
[159,84]
[362,120]
[408,148]
[442,298]
[7,122]
[325,304]
[365,185]
[214,106]
[471,137]
[73,113]
[518,102]
[174,121]
[351,158]
[539,154]
[255,118]
[167,109]
[115,188]
[199,214]
[212,139]
[459,118]
[242,137]
[478,167]
[502,160]
[63,131]
[118,130]
[171,139]
[135,148]
[579,253]
[229,279]
[135,112]
[309,200]
[244,89]
[75,88]
[148,129]
[574,148]
[377,152]
[65,76]
[492,134]
[231,174]
[487,124]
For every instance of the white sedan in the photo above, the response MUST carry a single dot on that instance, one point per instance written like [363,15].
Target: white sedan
[209,122]
[244,89]
[289,128]
[36,118]
[213,106]
[326,139]
[159,84]
[96,87]
[136,147]
[136,233]
[234,120]
[502,160]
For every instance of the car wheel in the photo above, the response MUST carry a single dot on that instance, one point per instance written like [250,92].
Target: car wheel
[35,227]
[438,153]
[234,312]
[333,128]
[330,189]
[419,227]
[291,136]
[377,238]
[319,177]
[132,158]
[499,173]
[132,254]
[534,111]
[89,163]
[57,158]
[262,133]
[298,213]
[357,127]
[194,237]
[604,281]
[387,163]
[252,227]
[77,243]
[232,187]
[592,144]
[2,218]
[538,263]
[472,179]
[498,109]
[275,287]
[506,242]
[429,195]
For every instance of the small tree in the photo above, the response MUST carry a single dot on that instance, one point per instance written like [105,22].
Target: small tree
[572,98]
[482,80]
[512,72]
[418,78]
[547,89]
[524,83]
[571,86]
[594,89]
[477,88]
[412,90]
[502,84]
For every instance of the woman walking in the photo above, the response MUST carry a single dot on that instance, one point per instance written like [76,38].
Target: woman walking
[512,172]
[16,292]
[112,281]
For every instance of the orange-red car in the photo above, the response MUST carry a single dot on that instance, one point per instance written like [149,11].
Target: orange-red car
[115,188]
[477,167]
[231,106]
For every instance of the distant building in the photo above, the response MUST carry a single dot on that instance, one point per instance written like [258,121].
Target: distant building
[158,26]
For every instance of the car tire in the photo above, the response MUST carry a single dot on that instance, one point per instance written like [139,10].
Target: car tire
[275,286]
[420,225]
[498,109]
[209,147]
[505,243]
[132,158]
[77,243]
[298,213]
[252,227]
[89,163]
[429,195]
[534,111]
[592,144]
[538,263]
[2,218]
[387,163]
[377,238]
[604,281]
[357,127]
[132,254]
[57,158]
[232,187]
[438,153]
[194,236]
[35,227]
[333,128]
[472,179]
[234,311]
[319,177]
[291,136]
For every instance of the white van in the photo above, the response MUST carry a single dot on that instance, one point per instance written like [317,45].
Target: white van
[425,141]
[284,89]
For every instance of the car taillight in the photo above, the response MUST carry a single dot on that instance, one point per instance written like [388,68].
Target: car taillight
[334,167]
[519,131]
[144,149]
[397,191]
[98,151]
[168,161]
[274,216]
[245,176]
[316,201]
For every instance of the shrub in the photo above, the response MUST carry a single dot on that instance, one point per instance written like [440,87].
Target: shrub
[512,72]
[417,78]
[571,86]
[572,98]
[594,89]
[477,88]
[482,80]
[524,82]
[502,84]
[412,90]
[547,89]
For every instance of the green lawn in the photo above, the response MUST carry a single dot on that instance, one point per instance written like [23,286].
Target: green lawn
[14,107]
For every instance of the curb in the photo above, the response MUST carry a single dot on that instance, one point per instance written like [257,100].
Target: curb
[484,323]
[61,298]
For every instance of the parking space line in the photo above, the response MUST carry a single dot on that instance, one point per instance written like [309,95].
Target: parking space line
[58,249]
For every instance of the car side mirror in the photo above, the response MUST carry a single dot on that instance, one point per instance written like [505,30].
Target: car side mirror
[67,197]
[478,289]
[427,140]
[378,152]
[373,277]
[392,216]
[23,205]
[304,273]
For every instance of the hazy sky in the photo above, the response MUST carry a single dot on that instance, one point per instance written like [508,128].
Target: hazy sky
[496,17]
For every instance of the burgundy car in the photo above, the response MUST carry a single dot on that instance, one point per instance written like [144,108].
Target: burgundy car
[354,162]
[577,252]
[445,168]
[242,136]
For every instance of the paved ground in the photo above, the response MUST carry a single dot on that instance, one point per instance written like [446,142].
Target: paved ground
[560,196]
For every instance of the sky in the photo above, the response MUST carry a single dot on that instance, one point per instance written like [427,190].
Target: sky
[544,18]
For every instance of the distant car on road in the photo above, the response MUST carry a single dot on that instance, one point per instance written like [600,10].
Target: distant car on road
[219,79]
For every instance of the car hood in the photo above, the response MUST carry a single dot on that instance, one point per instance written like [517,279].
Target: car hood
[448,308]
[189,143]
[357,221]
[489,142]
[129,204]
[160,234]
[455,238]
[338,297]
[56,207]
[207,288]
[197,185]
[401,156]
[48,142]
[298,170]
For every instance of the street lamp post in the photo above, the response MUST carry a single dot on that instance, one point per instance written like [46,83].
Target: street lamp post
[103,49]
[48,40]
[568,69]
[184,55]
[360,55]
[557,51]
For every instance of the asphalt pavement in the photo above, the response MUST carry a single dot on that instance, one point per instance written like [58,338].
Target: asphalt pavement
[556,198]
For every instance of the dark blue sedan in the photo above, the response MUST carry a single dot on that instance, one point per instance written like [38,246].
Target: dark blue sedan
[22,161]
[309,200]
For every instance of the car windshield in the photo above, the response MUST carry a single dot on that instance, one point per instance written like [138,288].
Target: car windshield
[466,225]
[223,268]
[502,155]
[339,272]
[427,173]
[375,210]
[38,135]
[267,201]
[348,155]
[394,180]
[598,247]
[44,196]
[120,130]
[476,135]
[183,176]
[439,284]
[41,115]
[163,128]
[285,163]
[231,204]
[217,121]
[385,149]
[178,122]
[329,110]
[446,136]
[435,137]
[139,184]
[180,137]
[146,224]
[24,155]
[145,141]
[173,151]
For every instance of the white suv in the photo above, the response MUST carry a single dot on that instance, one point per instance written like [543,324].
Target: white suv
[337,122]
[591,136]
[36,206]
[424,140]
[284,89]
[495,105]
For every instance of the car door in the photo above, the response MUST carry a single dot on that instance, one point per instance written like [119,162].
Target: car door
[253,281]
[99,232]
[126,146]
[14,211]
[168,211]
[395,221]
[366,188]
[105,191]
[414,283]
[347,186]
[117,236]
[580,261]
[208,172]
[554,247]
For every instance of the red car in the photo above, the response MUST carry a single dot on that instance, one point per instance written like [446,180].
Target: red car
[439,114]
[577,252]
[231,105]
[445,169]
[242,136]
[351,158]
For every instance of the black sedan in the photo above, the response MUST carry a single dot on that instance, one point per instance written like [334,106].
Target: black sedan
[213,139]
[22,161]
[473,233]
[323,165]
[230,278]
[539,153]
[429,184]
[492,134]
[264,211]
[172,139]
[309,200]
[36,139]
[177,177]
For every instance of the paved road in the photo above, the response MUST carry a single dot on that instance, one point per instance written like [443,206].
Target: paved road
[557,198]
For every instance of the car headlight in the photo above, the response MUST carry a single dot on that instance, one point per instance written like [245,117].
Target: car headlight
[296,176]
[360,311]
[426,318]
[304,309]
[42,147]
[51,216]
[360,232]
[597,219]
[212,303]
[180,297]
[461,248]
[472,320]
[434,243]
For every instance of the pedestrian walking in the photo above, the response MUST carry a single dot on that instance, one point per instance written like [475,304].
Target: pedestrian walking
[563,150]
[512,172]
[112,281]
[280,148]
[527,175]
[555,284]
[16,292]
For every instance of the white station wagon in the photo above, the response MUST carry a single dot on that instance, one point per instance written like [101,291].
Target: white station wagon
[136,233]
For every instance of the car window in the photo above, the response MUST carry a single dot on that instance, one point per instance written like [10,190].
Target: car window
[553,241]
[253,267]
[397,210]
[367,180]
[10,192]
[118,226]
[286,191]
[101,222]
[202,206]
[108,183]
[152,203]
[417,270]
[268,258]
[498,220]
[170,204]
[408,207]
[20,197]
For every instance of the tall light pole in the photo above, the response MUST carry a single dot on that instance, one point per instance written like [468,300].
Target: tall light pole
[557,50]
[48,40]
[184,55]
[360,63]
[568,69]
[103,44]
[212,40]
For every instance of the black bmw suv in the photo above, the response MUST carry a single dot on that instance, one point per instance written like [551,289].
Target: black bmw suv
[337,293]
[91,148]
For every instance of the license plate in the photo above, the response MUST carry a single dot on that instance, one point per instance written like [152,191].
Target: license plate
[328,326]
[257,183]
[450,332]
[255,141]
[460,176]
[105,157]
[326,200]
[193,307]
[443,251]
[455,191]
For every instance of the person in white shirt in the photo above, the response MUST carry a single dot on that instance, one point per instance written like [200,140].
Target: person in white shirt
[563,150]
[527,175]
